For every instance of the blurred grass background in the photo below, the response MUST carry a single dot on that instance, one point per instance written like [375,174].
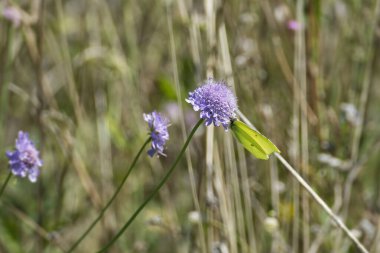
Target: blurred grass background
[78,75]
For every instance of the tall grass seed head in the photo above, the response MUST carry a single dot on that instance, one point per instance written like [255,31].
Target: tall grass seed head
[24,160]
[216,102]
[158,126]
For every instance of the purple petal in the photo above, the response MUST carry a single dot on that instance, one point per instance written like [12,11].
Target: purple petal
[158,126]
[25,160]
[216,102]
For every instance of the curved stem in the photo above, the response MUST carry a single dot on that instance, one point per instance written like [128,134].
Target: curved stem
[5,183]
[155,191]
[112,198]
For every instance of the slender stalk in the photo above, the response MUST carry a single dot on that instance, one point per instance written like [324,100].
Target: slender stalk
[155,191]
[201,229]
[6,70]
[302,83]
[111,200]
[322,203]
[5,183]
[315,195]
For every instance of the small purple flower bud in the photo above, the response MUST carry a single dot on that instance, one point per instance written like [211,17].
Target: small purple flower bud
[215,101]
[13,15]
[24,161]
[294,25]
[158,126]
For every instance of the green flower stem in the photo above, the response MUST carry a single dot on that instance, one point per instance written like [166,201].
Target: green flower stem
[5,79]
[5,183]
[112,198]
[155,191]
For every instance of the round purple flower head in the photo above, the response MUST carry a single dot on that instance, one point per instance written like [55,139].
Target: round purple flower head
[158,126]
[216,102]
[24,161]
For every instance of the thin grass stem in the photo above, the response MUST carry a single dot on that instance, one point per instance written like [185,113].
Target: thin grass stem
[315,196]
[155,191]
[112,198]
[321,203]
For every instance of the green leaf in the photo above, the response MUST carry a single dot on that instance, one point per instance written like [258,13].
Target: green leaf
[167,88]
[256,143]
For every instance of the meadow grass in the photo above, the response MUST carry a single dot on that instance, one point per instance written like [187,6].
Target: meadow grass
[77,75]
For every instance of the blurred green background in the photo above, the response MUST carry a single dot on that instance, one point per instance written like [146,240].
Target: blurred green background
[78,74]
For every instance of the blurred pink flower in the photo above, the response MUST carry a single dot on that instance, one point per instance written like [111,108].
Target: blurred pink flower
[294,25]
[12,14]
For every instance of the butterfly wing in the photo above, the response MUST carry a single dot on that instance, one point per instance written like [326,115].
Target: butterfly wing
[256,143]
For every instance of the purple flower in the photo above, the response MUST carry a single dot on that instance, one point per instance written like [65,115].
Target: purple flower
[216,102]
[25,161]
[12,14]
[158,126]
[294,25]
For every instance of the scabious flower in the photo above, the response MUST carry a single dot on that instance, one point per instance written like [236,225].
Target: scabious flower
[24,161]
[216,102]
[158,126]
